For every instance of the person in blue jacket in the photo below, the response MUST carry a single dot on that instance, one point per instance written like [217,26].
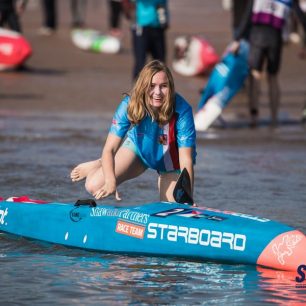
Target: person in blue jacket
[153,127]
[150,20]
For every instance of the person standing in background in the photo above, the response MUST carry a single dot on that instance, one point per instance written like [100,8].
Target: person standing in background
[266,19]
[238,10]
[49,10]
[115,13]
[150,20]
[50,15]
[10,10]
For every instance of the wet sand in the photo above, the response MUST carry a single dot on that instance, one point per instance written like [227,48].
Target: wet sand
[62,78]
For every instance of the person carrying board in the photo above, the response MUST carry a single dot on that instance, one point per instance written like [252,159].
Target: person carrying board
[266,20]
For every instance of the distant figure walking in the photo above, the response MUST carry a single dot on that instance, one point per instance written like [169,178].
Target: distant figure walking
[115,14]
[266,20]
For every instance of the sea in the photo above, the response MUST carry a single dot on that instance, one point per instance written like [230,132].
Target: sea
[259,171]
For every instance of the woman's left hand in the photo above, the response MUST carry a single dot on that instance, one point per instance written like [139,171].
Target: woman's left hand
[106,190]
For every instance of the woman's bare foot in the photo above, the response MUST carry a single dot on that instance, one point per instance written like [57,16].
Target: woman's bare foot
[81,171]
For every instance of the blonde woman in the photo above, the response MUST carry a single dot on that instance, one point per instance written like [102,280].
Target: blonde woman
[153,128]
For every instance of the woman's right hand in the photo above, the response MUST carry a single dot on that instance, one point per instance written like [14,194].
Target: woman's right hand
[234,47]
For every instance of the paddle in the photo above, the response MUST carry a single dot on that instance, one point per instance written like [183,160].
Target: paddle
[181,192]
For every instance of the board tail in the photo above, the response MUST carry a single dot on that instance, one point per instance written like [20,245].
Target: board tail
[285,252]
[206,116]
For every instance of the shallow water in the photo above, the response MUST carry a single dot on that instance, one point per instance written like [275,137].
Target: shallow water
[260,172]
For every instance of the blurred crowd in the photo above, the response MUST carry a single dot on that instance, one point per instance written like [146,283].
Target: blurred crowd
[149,21]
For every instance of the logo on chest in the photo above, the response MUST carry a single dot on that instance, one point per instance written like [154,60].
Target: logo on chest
[163,139]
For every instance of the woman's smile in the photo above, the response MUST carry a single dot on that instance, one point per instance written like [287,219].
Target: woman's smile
[159,89]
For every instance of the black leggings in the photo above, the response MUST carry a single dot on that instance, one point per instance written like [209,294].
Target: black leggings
[148,40]
[50,14]
[265,48]
[115,11]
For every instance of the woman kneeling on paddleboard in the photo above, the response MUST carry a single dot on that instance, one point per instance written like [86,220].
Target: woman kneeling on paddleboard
[152,128]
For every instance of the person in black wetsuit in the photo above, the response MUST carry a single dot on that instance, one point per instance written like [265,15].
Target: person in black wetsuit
[238,10]
[115,14]
[265,19]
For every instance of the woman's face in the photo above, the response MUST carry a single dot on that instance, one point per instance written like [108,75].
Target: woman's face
[159,89]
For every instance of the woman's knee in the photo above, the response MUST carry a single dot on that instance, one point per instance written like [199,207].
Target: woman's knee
[90,187]
[93,183]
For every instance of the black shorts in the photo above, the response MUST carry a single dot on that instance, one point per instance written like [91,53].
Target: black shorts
[265,48]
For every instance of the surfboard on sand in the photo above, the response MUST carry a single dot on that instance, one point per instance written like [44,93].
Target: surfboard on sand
[93,40]
[225,81]
[193,56]
[14,49]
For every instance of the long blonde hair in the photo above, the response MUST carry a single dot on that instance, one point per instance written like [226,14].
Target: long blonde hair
[139,105]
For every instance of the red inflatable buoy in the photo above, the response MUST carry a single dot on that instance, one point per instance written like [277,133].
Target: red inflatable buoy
[14,49]
[193,56]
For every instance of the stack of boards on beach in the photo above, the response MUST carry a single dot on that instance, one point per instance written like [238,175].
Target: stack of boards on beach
[93,40]
[14,49]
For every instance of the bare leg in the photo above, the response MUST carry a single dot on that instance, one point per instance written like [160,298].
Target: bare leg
[274,94]
[82,170]
[254,94]
[127,166]
[166,184]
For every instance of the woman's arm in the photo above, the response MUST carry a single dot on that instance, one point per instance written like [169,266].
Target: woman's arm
[119,127]
[245,22]
[186,161]
[110,149]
